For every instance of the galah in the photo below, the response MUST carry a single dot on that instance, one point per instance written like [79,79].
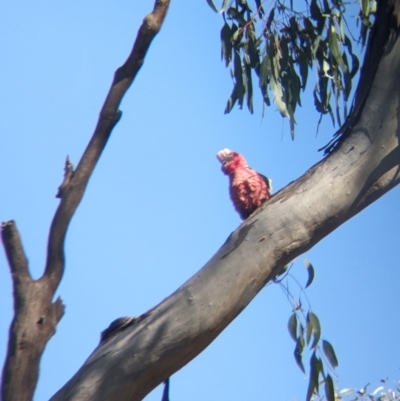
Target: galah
[248,189]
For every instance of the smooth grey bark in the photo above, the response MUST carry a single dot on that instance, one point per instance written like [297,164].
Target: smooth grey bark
[362,168]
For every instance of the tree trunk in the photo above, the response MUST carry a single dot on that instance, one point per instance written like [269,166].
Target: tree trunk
[128,364]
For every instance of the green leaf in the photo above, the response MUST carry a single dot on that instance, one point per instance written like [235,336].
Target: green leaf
[252,49]
[224,5]
[331,114]
[341,25]
[284,49]
[265,71]
[237,33]
[270,52]
[347,43]
[337,109]
[270,19]
[347,79]
[355,65]
[365,26]
[277,52]
[309,29]
[319,122]
[303,68]
[315,12]
[244,6]
[292,326]
[365,7]
[309,331]
[291,86]
[310,271]
[345,392]
[283,270]
[265,94]
[327,9]
[292,121]
[238,68]
[238,89]
[301,332]
[334,46]
[314,321]
[293,29]
[260,10]
[313,385]
[264,74]
[297,353]
[354,59]
[234,14]
[165,396]
[329,388]
[323,92]
[226,44]
[294,88]
[317,103]
[248,85]
[276,88]
[317,16]
[211,4]
[330,353]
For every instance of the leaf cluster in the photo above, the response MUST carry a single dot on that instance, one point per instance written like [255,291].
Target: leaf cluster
[305,330]
[381,393]
[309,335]
[280,46]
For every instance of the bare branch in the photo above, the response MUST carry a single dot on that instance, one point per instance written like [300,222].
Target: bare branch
[33,324]
[109,117]
[36,316]
[15,253]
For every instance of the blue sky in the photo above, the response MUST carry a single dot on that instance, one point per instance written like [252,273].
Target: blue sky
[157,207]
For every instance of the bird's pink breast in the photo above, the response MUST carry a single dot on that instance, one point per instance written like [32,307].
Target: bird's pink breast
[248,191]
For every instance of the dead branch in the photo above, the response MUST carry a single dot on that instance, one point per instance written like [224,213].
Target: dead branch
[36,315]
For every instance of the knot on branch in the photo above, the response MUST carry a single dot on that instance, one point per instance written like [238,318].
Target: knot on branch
[152,23]
[120,324]
[49,317]
[68,174]
[58,310]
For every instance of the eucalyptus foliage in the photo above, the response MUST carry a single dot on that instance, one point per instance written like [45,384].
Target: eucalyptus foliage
[384,392]
[277,43]
[305,330]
